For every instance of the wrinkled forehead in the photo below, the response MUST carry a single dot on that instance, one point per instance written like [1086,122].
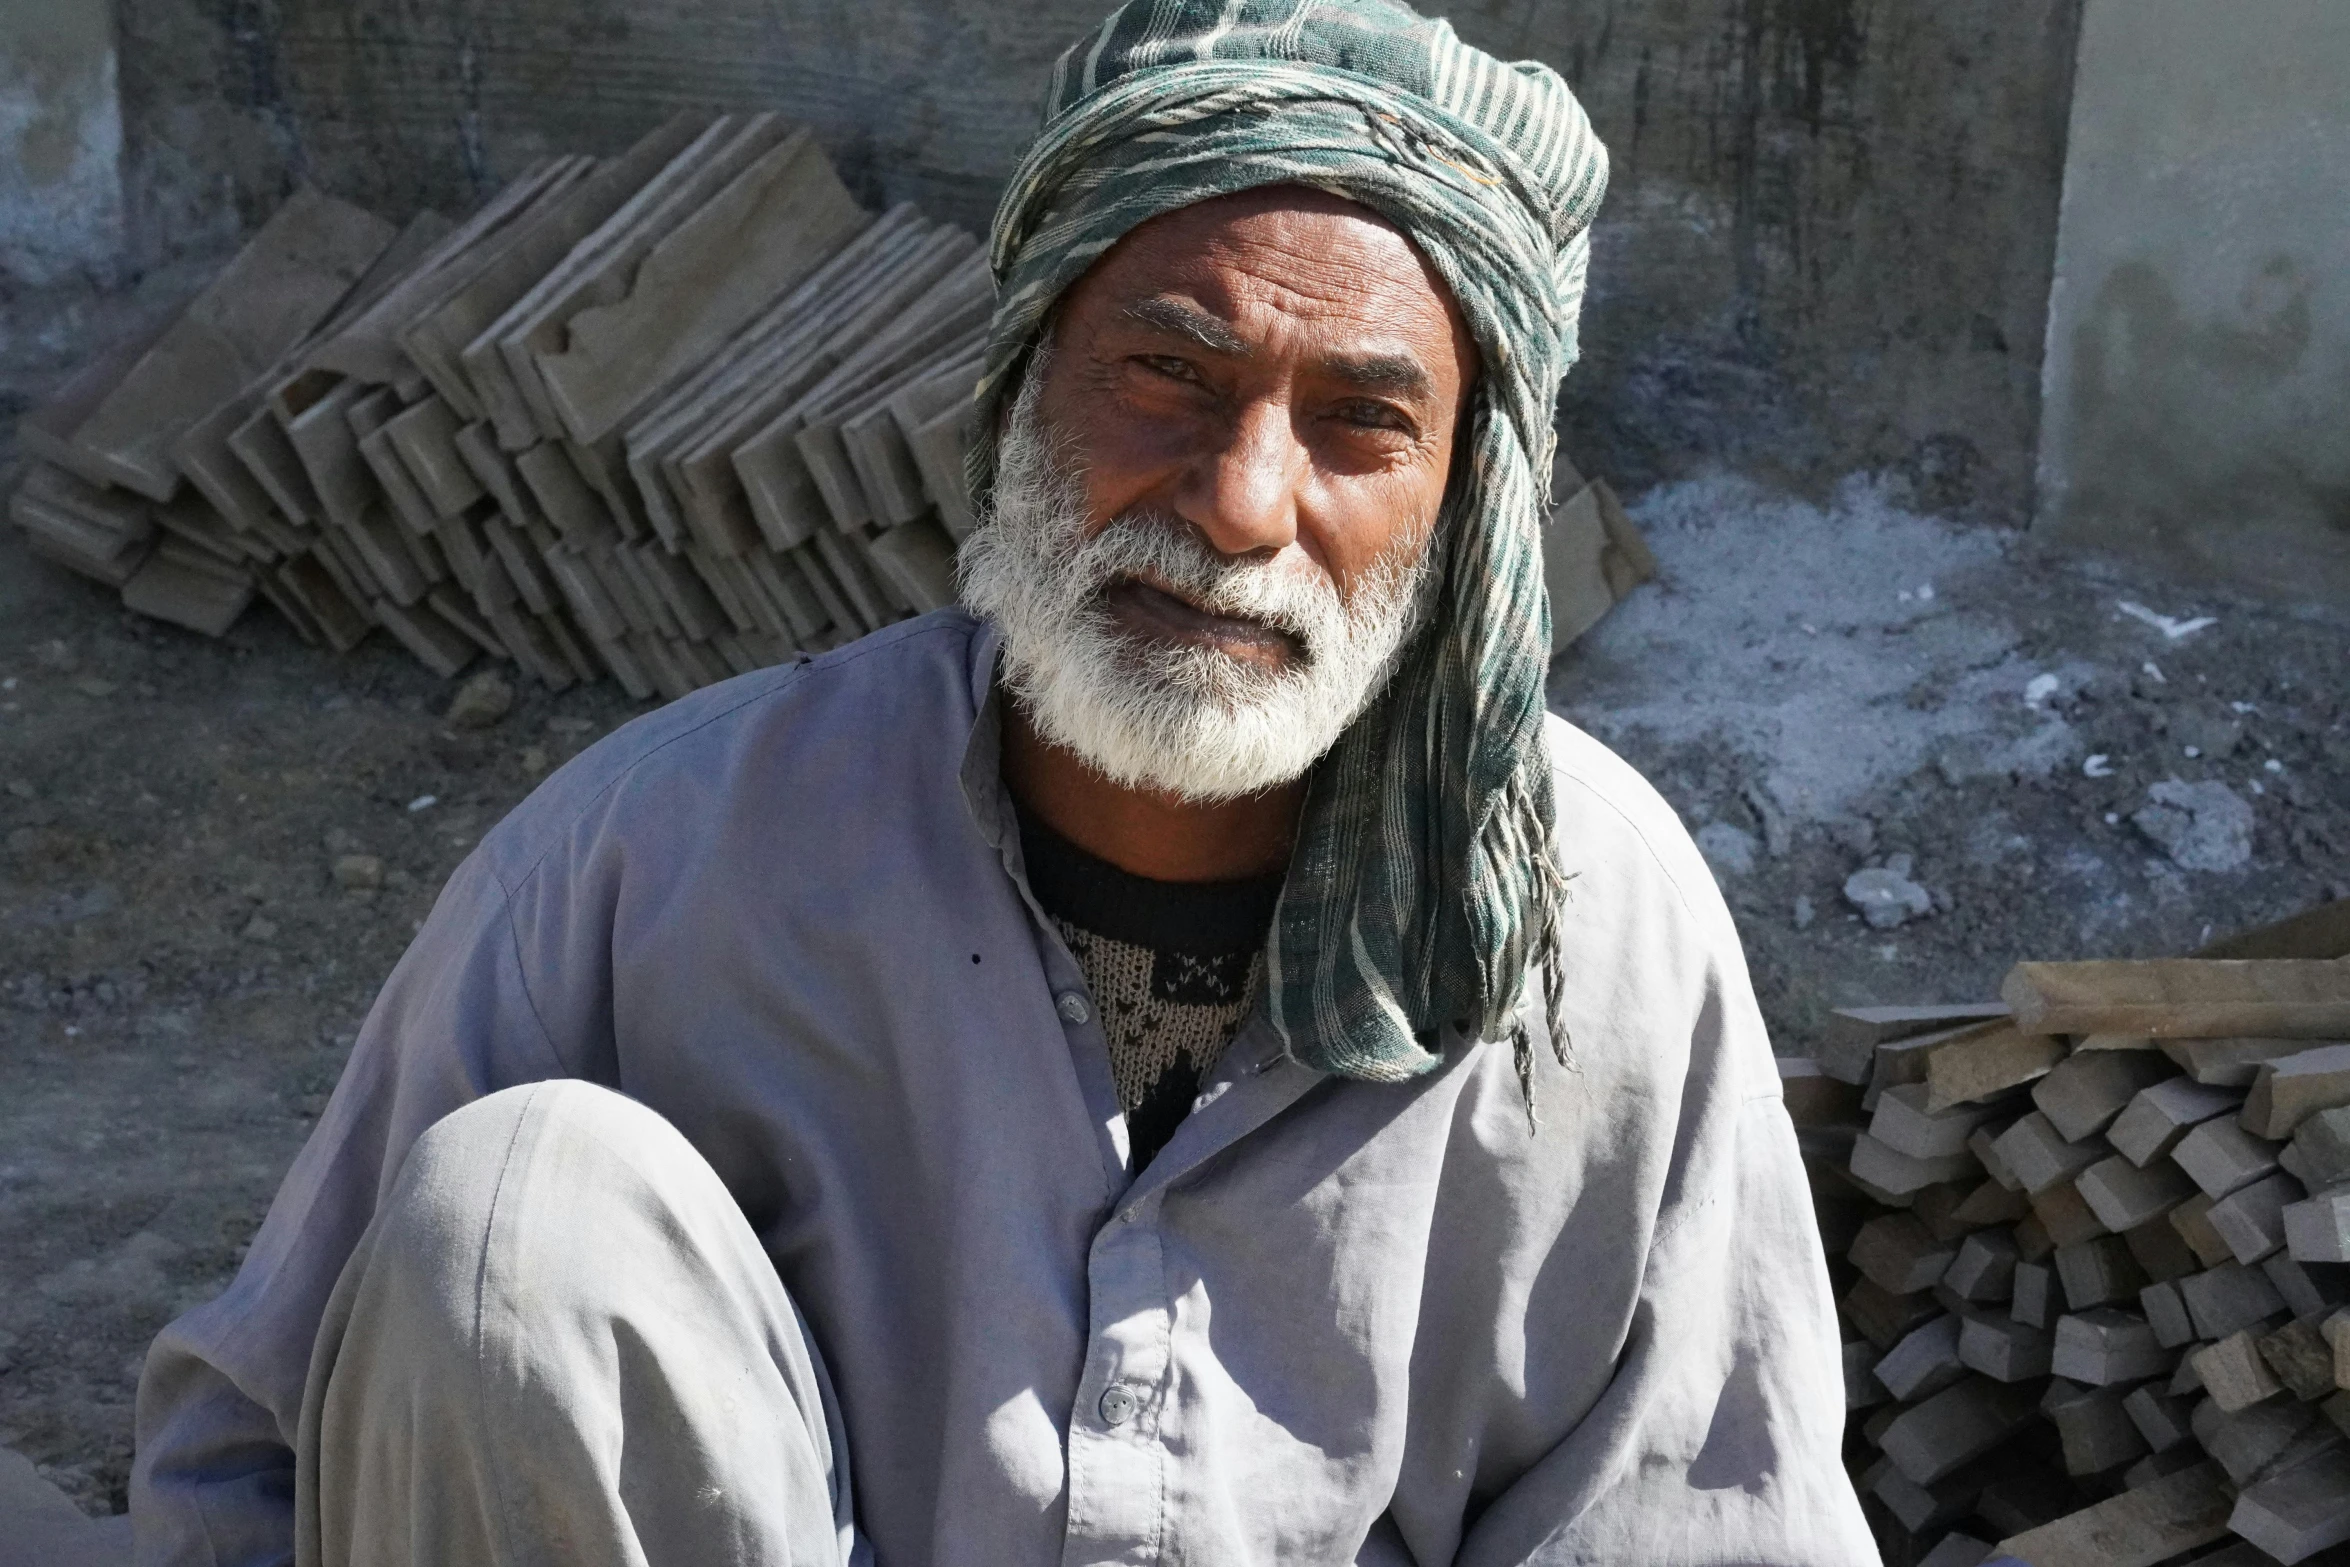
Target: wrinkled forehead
[1304,253]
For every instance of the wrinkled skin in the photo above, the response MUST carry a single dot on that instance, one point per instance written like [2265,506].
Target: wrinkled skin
[1282,371]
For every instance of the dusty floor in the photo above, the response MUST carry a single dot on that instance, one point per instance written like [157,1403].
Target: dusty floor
[1821,689]
[180,975]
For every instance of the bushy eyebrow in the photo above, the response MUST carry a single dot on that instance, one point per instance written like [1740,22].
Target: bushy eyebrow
[1393,375]
[1182,320]
[1396,375]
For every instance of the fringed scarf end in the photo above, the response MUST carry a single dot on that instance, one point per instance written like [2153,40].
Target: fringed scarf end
[1550,896]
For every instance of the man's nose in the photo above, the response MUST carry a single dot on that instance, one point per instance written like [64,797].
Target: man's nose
[1242,496]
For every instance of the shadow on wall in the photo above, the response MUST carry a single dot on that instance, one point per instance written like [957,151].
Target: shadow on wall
[61,210]
[2199,339]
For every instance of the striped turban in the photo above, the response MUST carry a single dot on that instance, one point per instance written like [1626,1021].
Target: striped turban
[1424,884]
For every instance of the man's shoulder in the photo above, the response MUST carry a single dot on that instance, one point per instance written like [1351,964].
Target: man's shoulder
[897,699]
[1608,812]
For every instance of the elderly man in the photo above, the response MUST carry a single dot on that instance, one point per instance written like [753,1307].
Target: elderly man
[1186,1064]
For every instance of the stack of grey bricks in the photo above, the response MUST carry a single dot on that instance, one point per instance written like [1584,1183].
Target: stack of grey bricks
[2091,1252]
[666,416]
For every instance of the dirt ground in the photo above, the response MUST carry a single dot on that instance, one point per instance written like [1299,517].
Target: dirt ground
[1821,686]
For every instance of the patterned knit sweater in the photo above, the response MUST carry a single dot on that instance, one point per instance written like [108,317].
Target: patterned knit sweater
[1174,968]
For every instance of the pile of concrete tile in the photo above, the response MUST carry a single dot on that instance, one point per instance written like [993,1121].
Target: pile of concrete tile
[2091,1246]
[670,415]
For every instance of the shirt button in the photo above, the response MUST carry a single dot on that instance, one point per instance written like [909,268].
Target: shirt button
[1118,1406]
[1075,1010]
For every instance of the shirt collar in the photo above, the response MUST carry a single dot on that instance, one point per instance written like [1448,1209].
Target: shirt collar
[983,749]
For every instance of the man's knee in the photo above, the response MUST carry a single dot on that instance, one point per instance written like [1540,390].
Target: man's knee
[548,1165]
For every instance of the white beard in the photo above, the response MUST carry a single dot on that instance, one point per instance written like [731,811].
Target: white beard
[1189,721]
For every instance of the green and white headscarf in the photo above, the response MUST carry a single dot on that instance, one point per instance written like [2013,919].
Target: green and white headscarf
[1424,884]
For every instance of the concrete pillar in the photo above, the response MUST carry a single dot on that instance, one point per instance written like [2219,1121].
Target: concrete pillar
[61,208]
[2198,361]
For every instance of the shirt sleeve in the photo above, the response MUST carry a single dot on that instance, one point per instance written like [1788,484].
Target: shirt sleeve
[1718,1437]
[221,1396]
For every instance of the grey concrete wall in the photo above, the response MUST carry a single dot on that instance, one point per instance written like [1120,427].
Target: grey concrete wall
[2198,360]
[1827,246]
[61,208]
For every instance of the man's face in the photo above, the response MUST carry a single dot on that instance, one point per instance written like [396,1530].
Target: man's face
[1217,489]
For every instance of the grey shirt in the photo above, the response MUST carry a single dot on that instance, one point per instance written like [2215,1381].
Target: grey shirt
[1356,1323]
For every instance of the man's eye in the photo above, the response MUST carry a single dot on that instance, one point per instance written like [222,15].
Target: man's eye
[1373,416]
[1169,366]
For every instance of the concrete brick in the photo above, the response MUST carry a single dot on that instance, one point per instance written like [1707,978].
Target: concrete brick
[2335,1330]
[322,440]
[1812,1097]
[2221,1157]
[2323,1142]
[503,272]
[1923,1363]
[2295,1163]
[1882,1316]
[425,436]
[2153,1466]
[2166,1312]
[2096,1433]
[1957,1550]
[2124,1196]
[2083,1093]
[1988,1205]
[2317,1229]
[1920,1509]
[2232,1061]
[2066,1216]
[2002,1348]
[750,240]
[282,283]
[2192,1220]
[2034,1300]
[1984,1267]
[176,585]
[1862,1390]
[2234,1374]
[2138,1528]
[2295,1514]
[1955,1427]
[2103,1346]
[2252,1220]
[2158,1116]
[2161,1420]
[2098,1272]
[438,646]
[2286,1093]
[2229,1298]
[2247,1442]
[1982,1142]
[2308,1288]
[2041,1157]
[2162,1251]
[1979,1065]
[405,499]
[2186,997]
[919,558]
[598,268]
[2300,1358]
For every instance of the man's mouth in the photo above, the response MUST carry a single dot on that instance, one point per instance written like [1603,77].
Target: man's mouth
[1158,614]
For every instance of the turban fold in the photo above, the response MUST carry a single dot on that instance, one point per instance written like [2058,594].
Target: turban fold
[1424,884]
